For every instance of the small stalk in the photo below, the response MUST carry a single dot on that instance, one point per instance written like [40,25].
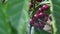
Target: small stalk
[33,12]
[34,8]
[44,22]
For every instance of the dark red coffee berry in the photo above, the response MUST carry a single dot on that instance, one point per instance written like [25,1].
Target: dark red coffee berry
[38,0]
[36,16]
[31,5]
[41,15]
[46,18]
[36,25]
[47,15]
[31,22]
[41,25]
[40,10]
[45,7]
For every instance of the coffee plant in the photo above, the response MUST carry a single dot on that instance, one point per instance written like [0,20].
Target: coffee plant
[29,16]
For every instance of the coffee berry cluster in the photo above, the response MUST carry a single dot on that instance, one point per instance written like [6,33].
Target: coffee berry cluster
[40,17]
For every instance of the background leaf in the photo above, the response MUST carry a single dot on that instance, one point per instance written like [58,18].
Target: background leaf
[56,16]
[41,32]
[14,17]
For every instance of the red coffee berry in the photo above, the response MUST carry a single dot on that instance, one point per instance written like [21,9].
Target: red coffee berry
[31,5]
[31,22]
[45,7]
[40,10]
[41,15]
[36,16]
[38,0]
[47,15]
[41,25]
[36,25]
[46,18]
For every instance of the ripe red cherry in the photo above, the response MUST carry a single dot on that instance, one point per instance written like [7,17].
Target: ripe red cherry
[46,17]
[31,22]
[41,25]
[45,7]
[38,0]
[31,5]
[36,25]
[41,15]
[36,16]
[40,10]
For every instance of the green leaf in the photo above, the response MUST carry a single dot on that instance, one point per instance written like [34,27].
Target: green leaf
[14,17]
[56,16]
[41,32]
